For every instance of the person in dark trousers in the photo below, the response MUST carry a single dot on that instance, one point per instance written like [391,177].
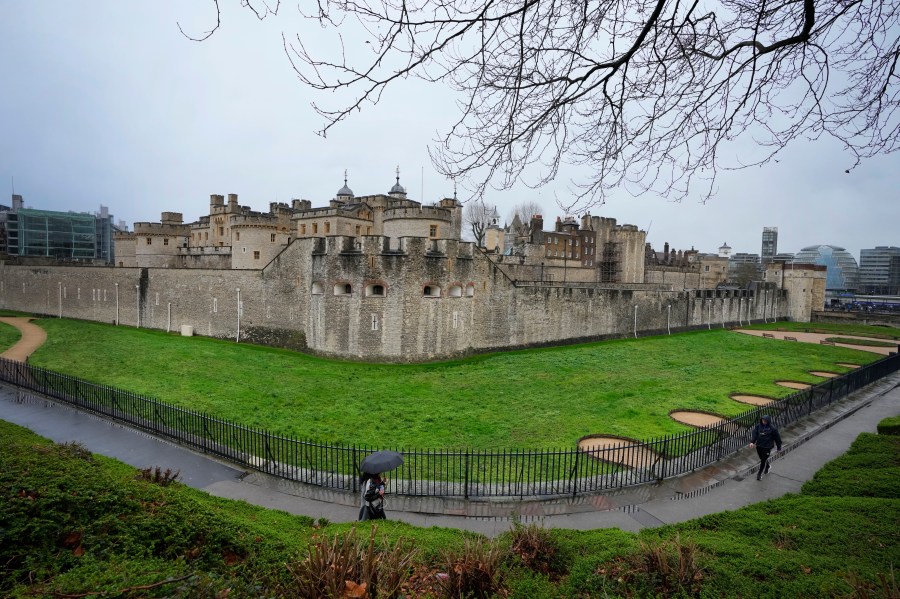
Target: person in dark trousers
[373,486]
[764,437]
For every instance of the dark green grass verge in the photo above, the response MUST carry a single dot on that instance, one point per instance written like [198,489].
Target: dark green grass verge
[75,522]
[889,426]
[545,398]
[870,469]
[858,341]
[9,336]
[832,327]
[74,525]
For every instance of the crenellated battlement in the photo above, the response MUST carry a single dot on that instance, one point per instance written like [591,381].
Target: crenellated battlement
[160,229]
[262,221]
[419,212]
[375,245]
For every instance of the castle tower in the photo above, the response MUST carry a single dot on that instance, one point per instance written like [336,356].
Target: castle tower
[398,191]
[344,194]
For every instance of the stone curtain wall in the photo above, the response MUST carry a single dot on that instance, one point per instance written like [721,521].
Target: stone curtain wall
[472,304]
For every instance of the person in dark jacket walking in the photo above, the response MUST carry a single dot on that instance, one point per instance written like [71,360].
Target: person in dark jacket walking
[764,437]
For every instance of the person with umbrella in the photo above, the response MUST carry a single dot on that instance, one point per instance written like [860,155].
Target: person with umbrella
[372,483]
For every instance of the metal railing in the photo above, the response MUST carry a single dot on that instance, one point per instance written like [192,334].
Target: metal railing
[467,473]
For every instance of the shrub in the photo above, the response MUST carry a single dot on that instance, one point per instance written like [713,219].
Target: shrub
[158,476]
[537,548]
[889,426]
[74,449]
[659,568]
[474,571]
[345,566]
[886,587]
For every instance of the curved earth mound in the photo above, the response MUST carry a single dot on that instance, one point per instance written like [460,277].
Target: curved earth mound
[698,419]
[793,384]
[627,452]
[753,400]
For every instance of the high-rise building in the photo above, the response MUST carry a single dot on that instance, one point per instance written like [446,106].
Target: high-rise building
[879,270]
[769,244]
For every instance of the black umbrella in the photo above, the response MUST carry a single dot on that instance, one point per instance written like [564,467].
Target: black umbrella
[381,461]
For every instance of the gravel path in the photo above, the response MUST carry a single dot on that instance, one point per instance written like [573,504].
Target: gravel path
[33,337]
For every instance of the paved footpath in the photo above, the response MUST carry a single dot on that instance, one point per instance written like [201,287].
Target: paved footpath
[726,485]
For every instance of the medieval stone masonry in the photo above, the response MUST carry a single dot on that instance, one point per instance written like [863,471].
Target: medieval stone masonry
[385,278]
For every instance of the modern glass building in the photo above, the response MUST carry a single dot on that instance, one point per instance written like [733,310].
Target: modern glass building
[75,236]
[879,270]
[843,271]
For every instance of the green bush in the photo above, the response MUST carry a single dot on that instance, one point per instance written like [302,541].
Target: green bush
[889,426]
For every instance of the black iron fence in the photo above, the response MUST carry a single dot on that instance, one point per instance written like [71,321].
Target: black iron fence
[450,473]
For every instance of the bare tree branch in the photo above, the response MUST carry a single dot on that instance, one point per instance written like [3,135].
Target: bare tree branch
[478,216]
[650,95]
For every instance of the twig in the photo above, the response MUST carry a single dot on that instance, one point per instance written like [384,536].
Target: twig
[140,587]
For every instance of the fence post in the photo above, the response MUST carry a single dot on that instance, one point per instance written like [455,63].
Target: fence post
[575,474]
[662,457]
[355,466]
[466,477]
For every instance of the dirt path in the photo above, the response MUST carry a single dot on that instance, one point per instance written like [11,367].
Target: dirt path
[818,338]
[33,337]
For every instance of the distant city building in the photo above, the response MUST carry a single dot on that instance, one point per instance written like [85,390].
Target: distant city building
[724,250]
[784,257]
[879,270]
[63,236]
[769,244]
[738,258]
[842,269]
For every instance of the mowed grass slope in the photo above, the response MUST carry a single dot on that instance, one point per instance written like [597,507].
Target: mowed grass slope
[525,399]
[9,336]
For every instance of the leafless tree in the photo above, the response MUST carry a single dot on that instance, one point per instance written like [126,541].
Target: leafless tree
[524,210]
[478,215]
[649,95]
[744,273]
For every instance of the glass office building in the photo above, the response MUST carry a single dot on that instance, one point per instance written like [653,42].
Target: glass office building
[879,270]
[64,236]
[843,271]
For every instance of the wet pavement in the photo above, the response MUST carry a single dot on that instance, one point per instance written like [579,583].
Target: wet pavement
[726,485]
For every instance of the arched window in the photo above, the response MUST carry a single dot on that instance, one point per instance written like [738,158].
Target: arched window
[343,289]
[431,291]
[317,289]
[455,291]
[375,290]
[470,290]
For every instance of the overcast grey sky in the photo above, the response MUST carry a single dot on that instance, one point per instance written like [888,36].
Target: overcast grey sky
[105,102]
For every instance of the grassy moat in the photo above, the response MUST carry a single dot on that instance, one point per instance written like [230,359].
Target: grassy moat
[544,398]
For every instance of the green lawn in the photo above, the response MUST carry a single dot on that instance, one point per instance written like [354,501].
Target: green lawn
[80,525]
[832,327]
[9,335]
[858,341]
[525,399]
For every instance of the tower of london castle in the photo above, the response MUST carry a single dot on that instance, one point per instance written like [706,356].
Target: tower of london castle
[383,277]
